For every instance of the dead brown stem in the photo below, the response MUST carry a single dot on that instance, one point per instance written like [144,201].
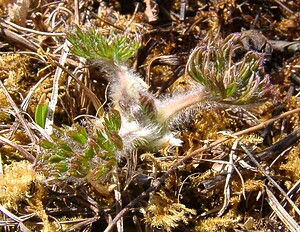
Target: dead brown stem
[22,151]
[96,102]
[18,40]
[18,113]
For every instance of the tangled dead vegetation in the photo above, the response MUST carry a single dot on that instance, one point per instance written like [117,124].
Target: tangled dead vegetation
[149,115]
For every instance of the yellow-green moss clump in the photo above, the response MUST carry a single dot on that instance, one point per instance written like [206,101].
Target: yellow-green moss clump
[19,182]
[13,69]
[165,213]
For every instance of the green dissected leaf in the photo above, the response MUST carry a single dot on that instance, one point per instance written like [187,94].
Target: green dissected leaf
[64,154]
[104,143]
[78,137]
[72,152]
[212,65]
[100,138]
[59,130]
[102,170]
[246,73]
[56,159]
[79,167]
[113,120]
[105,155]
[109,146]
[94,44]
[77,173]
[64,146]
[47,144]
[89,153]
[61,167]
[230,89]
[116,140]
[82,131]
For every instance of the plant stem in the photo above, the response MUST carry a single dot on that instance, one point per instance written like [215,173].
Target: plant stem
[170,107]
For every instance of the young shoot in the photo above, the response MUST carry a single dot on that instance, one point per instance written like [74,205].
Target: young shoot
[233,82]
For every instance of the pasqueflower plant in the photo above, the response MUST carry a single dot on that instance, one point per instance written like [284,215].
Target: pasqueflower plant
[140,119]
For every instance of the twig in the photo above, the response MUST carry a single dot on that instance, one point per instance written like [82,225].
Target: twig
[23,228]
[18,113]
[268,177]
[229,170]
[18,40]
[22,151]
[281,212]
[155,186]
[280,146]
[20,28]
[157,182]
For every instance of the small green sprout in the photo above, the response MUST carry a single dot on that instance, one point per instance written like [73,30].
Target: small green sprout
[233,82]
[41,111]
[95,45]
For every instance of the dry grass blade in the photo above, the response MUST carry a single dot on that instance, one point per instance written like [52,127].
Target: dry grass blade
[20,28]
[94,99]
[22,151]
[82,224]
[161,60]
[26,100]
[229,170]
[269,178]
[290,223]
[284,6]
[292,192]
[265,155]
[18,114]
[21,226]
[16,38]
[54,95]
[118,199]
